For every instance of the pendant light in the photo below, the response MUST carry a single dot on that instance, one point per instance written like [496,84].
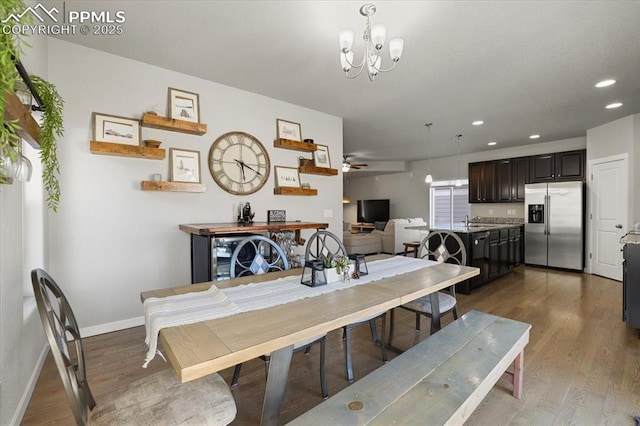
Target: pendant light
[428,178]
[458,181]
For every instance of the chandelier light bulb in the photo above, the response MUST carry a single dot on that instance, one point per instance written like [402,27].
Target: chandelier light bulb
[378,34]
[346,59]
[395,48]
[428,179]
[345,167]
[346,40]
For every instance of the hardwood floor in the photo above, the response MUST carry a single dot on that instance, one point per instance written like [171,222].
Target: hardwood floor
[582,364]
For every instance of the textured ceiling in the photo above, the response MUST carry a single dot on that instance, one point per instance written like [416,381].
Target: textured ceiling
[522,67]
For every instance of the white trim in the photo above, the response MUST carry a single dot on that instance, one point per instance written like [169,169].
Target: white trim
[28,390]
[589,236]
[111,326]
[449,182]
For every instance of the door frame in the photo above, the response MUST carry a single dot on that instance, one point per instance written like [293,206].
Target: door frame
[590,198]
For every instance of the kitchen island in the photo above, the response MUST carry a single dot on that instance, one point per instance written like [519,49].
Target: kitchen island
[494,248]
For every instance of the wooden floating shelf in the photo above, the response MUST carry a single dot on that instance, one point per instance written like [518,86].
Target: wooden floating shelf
[122,150]
[295,145]
[164,123]
[29,129]
[294,191]
[148,185]
[313,170]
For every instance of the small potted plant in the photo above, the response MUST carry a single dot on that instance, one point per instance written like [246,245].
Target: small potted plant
[336,268]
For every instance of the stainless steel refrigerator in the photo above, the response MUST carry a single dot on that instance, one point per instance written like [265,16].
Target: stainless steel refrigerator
[554,224]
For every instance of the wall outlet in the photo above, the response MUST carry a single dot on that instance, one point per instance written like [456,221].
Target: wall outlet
[327,213]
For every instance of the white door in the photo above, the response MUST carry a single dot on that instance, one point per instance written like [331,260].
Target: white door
[609,209]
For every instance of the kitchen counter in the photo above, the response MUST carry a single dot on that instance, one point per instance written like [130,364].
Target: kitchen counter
[477,227]
[494,248]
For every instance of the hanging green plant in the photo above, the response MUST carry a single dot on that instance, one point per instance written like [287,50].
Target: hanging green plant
[9,54]
[52,128]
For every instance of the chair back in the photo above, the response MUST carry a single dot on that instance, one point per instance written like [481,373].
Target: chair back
[63,334]
[443,246]
[323,245]
[257,255]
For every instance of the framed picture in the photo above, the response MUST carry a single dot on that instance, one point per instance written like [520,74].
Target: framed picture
[287,176]
[111,128]
[184,105]
[289,130]
[321,157]
[184,165]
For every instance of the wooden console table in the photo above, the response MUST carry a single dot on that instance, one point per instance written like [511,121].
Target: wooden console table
[202,235]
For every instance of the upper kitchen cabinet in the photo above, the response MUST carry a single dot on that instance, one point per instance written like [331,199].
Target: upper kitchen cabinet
[519,177]
[504,170]
[482,182]
[558,166]
[512,175]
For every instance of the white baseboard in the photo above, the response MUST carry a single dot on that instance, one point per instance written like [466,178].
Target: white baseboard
[31,385]
[111,326]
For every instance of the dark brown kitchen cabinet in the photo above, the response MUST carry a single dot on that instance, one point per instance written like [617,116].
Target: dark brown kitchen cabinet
[570,165]
[558,166]
[631,285]
[504,173]
[482,182]
[519,177]
[514,247]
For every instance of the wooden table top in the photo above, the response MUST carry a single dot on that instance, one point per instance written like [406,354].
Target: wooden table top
[241,228]
[196,350]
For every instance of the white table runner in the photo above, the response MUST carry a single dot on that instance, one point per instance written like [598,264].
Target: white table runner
[214,303]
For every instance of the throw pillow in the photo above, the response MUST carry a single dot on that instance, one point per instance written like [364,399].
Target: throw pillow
[380,225]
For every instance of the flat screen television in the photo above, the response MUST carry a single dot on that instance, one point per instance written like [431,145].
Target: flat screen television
[370,211]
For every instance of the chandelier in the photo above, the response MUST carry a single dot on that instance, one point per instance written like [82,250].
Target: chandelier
[373,37]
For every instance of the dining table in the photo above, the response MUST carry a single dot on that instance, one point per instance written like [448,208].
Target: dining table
[202,348]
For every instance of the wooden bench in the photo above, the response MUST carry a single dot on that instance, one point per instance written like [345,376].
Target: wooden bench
[439,381]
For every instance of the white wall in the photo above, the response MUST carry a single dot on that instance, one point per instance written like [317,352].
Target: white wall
[409,195]
[110,240]
[620,137]
[22,247]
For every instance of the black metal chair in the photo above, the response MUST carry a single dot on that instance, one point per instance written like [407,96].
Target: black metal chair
[157,398]
[441,246]
[322,245]
[258,255]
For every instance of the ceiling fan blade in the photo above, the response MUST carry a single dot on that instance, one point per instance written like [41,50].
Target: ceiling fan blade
[359,165]
[354,166]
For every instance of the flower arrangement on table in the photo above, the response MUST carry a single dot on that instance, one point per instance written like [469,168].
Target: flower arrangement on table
[341,265]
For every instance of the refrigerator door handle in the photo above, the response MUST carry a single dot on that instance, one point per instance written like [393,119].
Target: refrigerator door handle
[548,214]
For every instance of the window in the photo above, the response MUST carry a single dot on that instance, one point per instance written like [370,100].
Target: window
[449,203]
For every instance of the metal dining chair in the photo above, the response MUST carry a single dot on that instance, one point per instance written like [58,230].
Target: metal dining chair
[441,246]
[256,255]
[322,245]
[159,398]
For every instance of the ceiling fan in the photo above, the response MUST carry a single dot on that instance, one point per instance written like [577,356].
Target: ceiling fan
[347,165]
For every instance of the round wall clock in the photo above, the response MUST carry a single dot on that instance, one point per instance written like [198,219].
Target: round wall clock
[239,163]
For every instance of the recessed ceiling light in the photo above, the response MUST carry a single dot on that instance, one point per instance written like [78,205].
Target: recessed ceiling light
[605,83]
[478,123]
[534,136]
[614,105]
[492,143]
